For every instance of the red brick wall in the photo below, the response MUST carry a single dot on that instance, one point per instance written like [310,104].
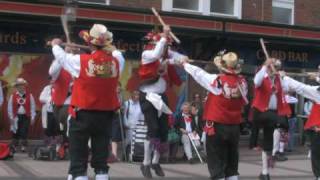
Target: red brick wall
[137,3]
[259,10]
[307,12]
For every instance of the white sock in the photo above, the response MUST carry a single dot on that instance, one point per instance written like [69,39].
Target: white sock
[81,178]
[102,177]
[309,154]
[147,153]
[265,169]
[232,178]
[69,177]
[281,149]
[156,157]
[276,141]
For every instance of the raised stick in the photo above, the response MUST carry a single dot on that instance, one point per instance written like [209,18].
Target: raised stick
[65,27]
[164,24]
[267,54]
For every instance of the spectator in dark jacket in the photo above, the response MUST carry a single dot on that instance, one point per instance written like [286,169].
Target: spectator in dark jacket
[186,125]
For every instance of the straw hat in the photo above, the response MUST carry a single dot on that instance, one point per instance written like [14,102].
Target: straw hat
[228,63]
[98,35]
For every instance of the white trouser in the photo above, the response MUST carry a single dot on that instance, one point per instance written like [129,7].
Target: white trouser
[102,177]
[232,178]
[148,152]
[186,146]
[276,141]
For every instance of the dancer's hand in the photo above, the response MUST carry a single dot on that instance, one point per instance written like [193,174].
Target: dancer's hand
[312,76]
[166,31]
[269,61]
[282,73]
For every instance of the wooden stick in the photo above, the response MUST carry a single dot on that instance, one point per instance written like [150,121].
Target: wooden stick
[200,61]
[267,55]
[65,27]
[305,74]
[164,24]
[264,48]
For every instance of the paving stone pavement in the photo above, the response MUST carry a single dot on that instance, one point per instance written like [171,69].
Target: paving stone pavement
[298,167]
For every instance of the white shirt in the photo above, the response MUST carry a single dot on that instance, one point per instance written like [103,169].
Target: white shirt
[258,79]
[206,80]
[45,98]
[188,124]
[21,110]
[307,107]
[133,115]
[71,62]
[307,91]
[149,56]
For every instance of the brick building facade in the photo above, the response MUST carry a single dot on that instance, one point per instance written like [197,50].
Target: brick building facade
[306,12]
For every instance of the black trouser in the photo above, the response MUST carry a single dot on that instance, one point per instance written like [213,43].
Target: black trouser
[254,136]
[22,130]
[61,116]
[53,127]
[97,126]
[267,121]
[157,126]
[315,152]
[222,151]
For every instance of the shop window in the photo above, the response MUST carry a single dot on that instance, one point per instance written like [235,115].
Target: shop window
[222,6]
[226,8]
[283,11]
[102,2]
[192,5]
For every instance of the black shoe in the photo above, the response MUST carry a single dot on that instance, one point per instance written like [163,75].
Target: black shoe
[157,169]
[264,177]
[280,157]
[145,170]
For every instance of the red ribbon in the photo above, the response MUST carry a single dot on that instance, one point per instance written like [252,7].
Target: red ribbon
[209,130]
[187,119]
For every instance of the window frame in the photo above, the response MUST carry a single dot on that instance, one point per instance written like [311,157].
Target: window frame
[204,9]
[285,4]
[106,2]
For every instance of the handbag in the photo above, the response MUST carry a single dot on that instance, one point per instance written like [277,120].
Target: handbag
[173,136]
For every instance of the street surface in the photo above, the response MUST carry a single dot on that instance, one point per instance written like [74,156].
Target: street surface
[298,167]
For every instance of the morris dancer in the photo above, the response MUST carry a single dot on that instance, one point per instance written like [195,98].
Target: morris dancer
[153,101]
[61,96]
[222,112]
[313,123]
[269,110]
[94,100]
[21,112]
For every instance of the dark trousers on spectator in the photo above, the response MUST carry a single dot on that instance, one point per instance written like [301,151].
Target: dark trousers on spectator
[223,152]
[97,126]
[315,152]
[22,130]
